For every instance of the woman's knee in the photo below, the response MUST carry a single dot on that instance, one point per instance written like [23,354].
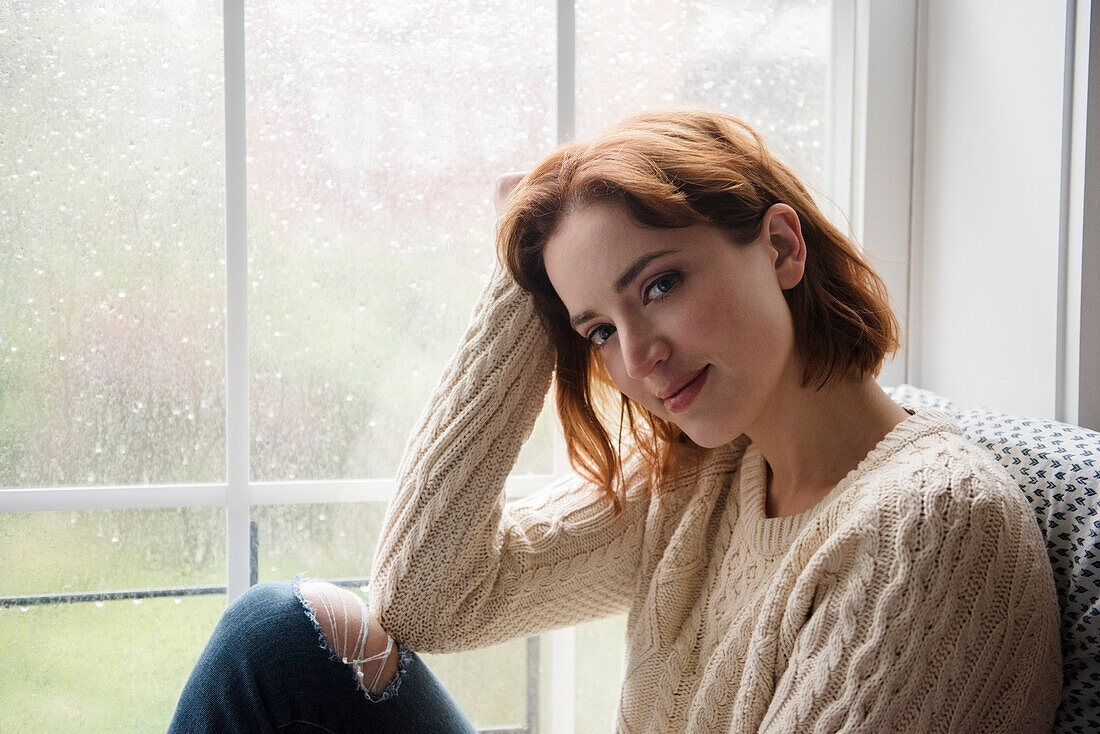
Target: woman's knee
[261,609]
[253,626]
[352,634]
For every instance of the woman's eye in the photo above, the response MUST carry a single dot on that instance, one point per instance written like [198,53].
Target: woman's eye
[661,286]
[600,334]
[657,289]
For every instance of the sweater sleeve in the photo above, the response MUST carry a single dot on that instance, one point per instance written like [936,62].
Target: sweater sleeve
[932,612]
[457,567]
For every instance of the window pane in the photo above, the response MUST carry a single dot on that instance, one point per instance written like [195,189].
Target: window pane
[106,550]
[115,666]
[375,132]
[112,666]
[600,648]
[489,684]
[321,540]
[111,244]
[765,61]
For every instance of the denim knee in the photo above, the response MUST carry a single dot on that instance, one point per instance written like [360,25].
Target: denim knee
[266,668]
[257,617]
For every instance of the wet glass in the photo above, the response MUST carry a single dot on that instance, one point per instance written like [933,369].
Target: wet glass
[112,237]
[108,550]
[375,134]
[766,62]
[100,664]
[327,541]
[113,666]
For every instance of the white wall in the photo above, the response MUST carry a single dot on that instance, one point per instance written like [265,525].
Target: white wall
[984,300]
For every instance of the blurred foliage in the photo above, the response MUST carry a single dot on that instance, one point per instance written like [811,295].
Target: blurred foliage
[109,667]
[112,264]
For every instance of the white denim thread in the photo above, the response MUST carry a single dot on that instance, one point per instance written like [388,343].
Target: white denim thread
[361,640]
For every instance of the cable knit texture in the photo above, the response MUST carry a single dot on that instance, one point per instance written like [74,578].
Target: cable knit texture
[915,597]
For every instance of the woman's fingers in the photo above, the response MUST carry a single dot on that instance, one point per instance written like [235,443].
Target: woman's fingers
[503,187]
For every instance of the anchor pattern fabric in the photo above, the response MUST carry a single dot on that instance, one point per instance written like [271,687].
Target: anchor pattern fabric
[1058,468]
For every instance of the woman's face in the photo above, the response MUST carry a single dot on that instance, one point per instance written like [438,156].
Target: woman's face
[688,324]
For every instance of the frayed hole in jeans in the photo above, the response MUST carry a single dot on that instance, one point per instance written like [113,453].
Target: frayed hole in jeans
[347,617]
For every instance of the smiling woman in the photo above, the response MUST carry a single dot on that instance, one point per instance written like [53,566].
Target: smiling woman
[796,550]
[737,278]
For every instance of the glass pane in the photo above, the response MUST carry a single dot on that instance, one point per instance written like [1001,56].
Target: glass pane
[489,684]
[600,647]
[321,540]
[108,550]
[765,61]
[375,134]
[111,243]
[115,666]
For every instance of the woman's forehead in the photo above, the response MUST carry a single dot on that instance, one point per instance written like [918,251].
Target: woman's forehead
[604,236]
[604,231]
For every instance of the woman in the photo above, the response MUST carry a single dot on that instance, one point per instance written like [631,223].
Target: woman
[796,551]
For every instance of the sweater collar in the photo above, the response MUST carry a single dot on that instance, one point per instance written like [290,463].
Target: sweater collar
[771,536]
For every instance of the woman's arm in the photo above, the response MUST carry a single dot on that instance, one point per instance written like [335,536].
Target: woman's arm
[456,568]
[935,613]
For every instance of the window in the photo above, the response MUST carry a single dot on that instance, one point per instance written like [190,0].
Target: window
[131,456]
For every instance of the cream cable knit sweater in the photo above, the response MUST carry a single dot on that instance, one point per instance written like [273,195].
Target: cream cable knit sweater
[916,597]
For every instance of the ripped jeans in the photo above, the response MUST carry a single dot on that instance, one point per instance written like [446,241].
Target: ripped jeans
[266,669]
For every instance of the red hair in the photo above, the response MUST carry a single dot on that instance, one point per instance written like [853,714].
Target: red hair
[678,167]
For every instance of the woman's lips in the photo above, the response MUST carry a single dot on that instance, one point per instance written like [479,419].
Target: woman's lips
[682,399]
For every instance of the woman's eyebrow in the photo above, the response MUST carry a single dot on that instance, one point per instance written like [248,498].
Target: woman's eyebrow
[623,281]
[634,270]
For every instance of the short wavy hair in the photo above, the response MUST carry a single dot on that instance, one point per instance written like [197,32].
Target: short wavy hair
[677,167]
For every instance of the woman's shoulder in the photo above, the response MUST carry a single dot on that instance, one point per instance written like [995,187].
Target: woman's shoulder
[938,469]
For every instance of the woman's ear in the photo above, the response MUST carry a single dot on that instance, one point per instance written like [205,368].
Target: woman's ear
[784,234]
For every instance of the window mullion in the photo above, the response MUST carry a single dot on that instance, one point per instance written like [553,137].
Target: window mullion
[841,105]
[563,645]
[132,497]
[567,45]
[884,184]
[236,316]
[869,165]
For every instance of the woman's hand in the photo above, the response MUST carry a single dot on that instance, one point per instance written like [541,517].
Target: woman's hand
[503,187]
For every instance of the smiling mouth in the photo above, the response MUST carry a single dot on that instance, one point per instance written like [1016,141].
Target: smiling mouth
[672,391]
[684,397]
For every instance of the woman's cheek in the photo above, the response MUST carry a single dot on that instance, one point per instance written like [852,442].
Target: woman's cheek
[613,365]
[706,328]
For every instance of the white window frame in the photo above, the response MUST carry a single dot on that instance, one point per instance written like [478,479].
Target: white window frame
[1077,388]
[869,172]
[873,120]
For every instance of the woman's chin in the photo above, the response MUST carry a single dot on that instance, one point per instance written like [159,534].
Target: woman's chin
[708,439]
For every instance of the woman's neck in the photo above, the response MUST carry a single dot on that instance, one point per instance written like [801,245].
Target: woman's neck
[812,439]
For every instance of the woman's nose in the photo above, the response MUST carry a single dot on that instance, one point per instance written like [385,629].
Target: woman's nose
[643,349]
